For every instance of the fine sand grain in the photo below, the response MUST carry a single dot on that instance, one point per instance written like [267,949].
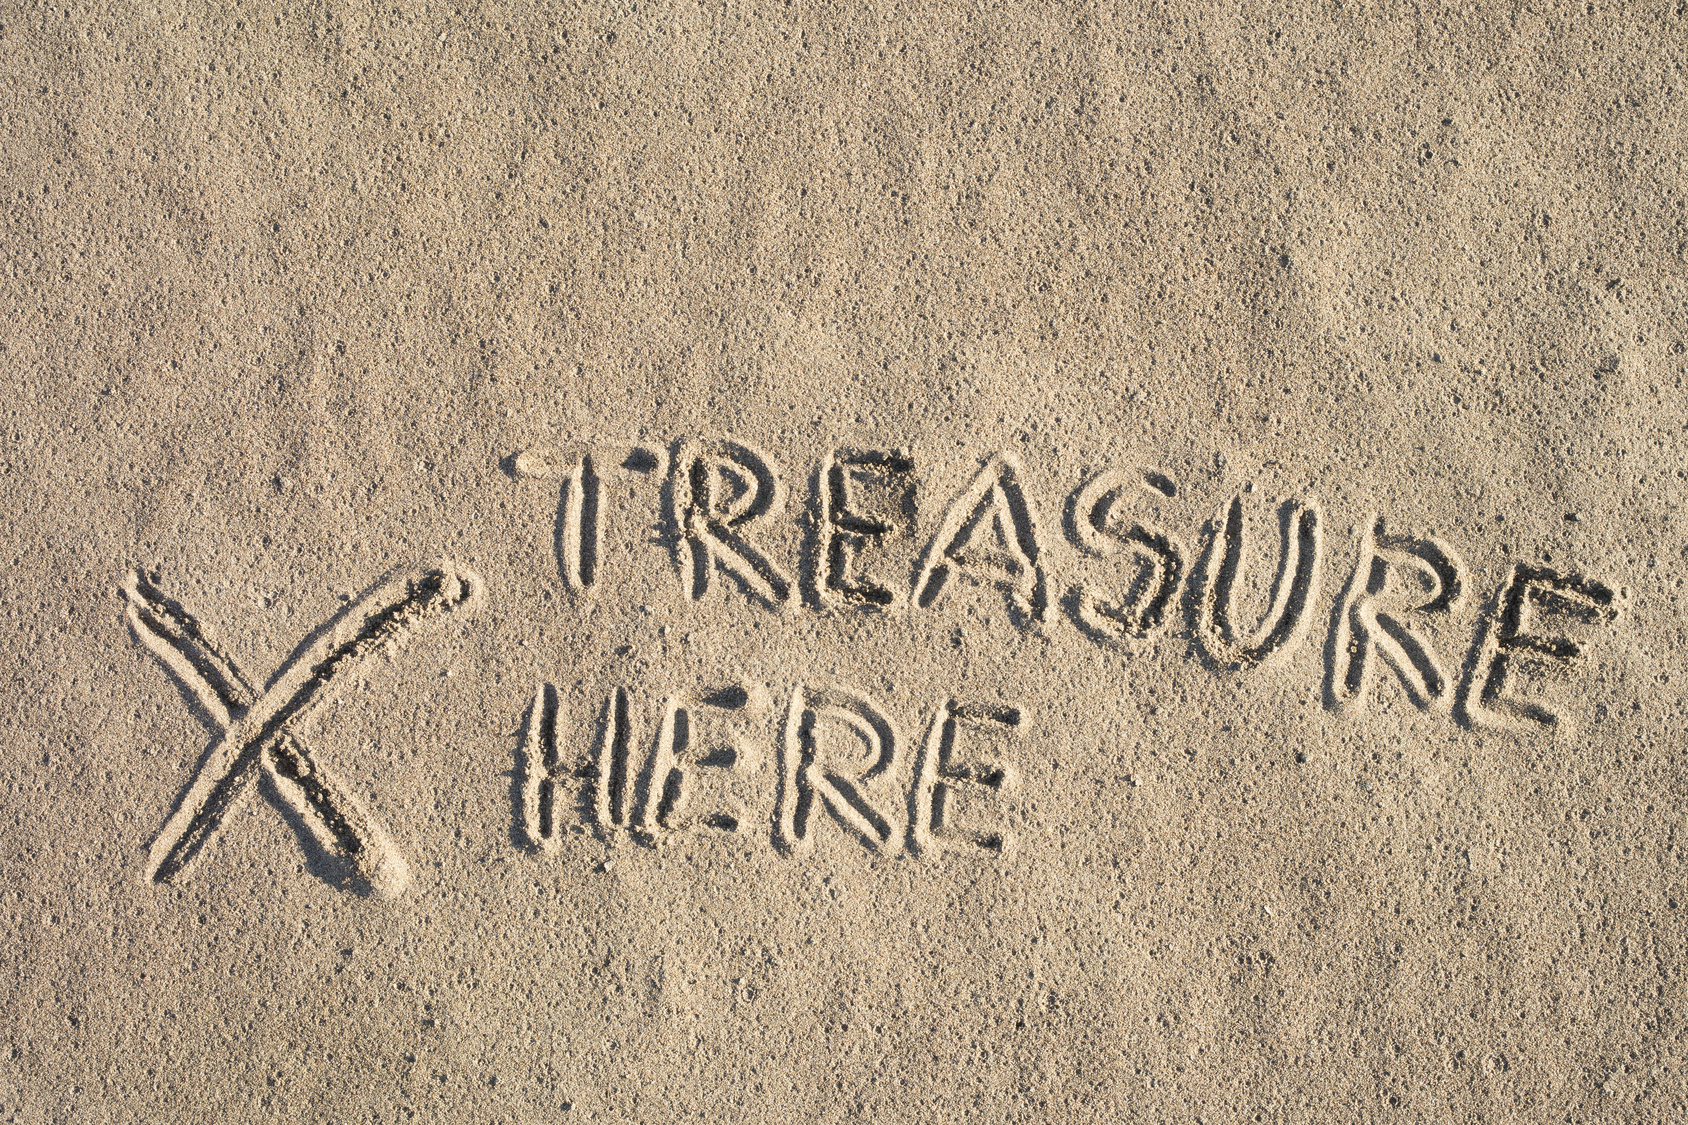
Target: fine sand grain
[802,562]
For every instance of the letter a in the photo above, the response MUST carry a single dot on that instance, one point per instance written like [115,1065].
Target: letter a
[989,536]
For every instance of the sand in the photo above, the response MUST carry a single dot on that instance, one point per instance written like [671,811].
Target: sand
[843,563]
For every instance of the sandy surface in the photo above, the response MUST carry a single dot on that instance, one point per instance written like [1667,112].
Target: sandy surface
[843,563]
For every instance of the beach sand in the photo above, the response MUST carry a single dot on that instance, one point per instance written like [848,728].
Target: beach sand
[843,563]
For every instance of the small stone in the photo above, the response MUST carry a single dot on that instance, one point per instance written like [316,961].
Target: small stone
[539,463]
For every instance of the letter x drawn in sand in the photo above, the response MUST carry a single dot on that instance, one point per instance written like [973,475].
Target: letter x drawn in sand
[262,731]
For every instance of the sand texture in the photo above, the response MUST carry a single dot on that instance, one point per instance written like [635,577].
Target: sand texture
[878,562]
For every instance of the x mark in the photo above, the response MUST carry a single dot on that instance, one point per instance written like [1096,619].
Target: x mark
[261,731]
